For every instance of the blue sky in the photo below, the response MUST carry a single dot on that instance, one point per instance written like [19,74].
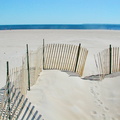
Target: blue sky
[59,11]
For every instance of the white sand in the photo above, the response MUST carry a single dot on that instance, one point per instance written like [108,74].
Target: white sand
[56,94]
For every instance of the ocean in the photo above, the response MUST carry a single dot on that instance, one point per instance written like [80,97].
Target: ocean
[62,26]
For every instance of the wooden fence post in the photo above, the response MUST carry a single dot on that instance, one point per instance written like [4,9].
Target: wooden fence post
[28,68]
[78,52]
[110,64]
[8,91]
[43,53]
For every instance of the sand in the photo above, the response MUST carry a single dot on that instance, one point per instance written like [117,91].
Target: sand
[60,95]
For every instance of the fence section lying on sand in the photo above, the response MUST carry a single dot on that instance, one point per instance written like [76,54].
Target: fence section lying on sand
[108,61]
[65,57]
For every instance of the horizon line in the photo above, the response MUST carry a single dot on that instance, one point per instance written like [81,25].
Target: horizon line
[68,24]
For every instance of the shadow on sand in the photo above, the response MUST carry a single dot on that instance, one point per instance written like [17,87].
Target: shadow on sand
[92,77]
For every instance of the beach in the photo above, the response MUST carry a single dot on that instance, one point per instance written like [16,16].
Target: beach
[64,95]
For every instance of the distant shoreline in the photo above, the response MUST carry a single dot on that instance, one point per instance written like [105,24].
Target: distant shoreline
[63,26]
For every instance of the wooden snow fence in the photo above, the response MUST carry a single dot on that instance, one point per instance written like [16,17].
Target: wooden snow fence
[65,57]
[19,75]
[1,97]
[15,106]
[35,66]
[108,61]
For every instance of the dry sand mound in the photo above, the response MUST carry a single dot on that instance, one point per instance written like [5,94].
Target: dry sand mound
[61,96]
[58,95]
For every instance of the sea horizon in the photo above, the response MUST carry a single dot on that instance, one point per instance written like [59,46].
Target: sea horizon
[60,26]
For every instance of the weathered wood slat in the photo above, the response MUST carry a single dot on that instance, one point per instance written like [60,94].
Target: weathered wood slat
[80,59]
[52,56]
[66,57]
[85,57]
[62,57]
[59,57]
[47,56]
[56,56]
[71,56]
[99,63]
[83,60]
[112,58]
[68,64]
[117,59]
[102,63]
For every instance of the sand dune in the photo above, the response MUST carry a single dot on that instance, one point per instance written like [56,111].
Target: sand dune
[60,95]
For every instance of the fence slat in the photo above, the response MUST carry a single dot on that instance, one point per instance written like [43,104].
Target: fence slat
[80,61]
[56,56]
[66,57]
[85,57]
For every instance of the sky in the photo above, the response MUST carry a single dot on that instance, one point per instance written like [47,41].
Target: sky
[59,12]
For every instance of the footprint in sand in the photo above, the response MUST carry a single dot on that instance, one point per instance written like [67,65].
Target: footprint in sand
[106,108]
[113,118]
[98,94]
[94,113]
[92,91]
[104,117]
[101,103]
[96,86]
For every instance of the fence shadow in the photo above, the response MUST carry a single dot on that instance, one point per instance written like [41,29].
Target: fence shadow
[116,74]
[98,77]
[92,78]
[15,106]
[71,74]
